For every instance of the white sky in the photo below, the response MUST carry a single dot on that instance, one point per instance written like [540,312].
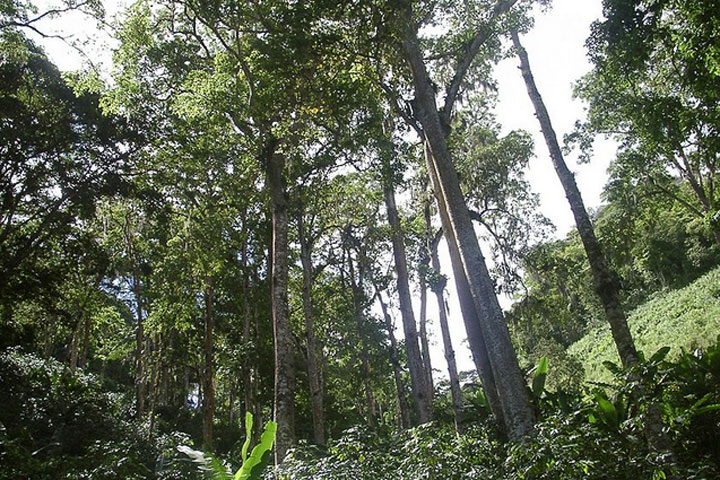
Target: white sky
[558,58]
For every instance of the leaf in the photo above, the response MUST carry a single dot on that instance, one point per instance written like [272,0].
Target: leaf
[260,455]
[707,408]
[608,411]
[541,371]
[614,369]
[248,435]
[660,355]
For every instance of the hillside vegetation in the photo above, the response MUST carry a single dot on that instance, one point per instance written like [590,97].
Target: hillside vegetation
[686,318]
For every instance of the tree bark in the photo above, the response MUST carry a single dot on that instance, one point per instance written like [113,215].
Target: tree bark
[284,364]
[438,287]
[517,408]
[208,366]
[418,374]
[314,381]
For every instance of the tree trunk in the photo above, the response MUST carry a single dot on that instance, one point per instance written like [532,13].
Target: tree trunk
[514,396]
[427,362]
[438,287]
[415,363]
[403,406]
[284,365]
[140,380]
[208,367]
[605,280]
[471,319]
[87,326]
[357,294]
[316,390]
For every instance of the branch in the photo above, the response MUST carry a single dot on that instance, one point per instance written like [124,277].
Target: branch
[471,50]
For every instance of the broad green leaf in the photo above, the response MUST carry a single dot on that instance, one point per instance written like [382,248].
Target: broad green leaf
[541,371]
[248,435]
[260,455]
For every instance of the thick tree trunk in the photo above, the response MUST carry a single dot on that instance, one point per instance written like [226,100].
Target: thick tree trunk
[209,365]
[403,407]
[514,396]
[438,287]
[284,365]
[605,282]
[314,381]
[418,374]
[471,319]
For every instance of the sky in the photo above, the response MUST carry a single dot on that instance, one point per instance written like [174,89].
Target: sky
[558,58]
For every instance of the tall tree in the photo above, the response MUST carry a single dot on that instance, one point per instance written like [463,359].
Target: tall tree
[518,414]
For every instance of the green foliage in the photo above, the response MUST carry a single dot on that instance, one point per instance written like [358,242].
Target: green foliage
[685,318]
[581,438]
[252,466]
[56,424]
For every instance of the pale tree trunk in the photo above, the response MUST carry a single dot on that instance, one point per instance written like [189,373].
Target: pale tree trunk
[403,407]
[606,285]
[438,287]
[605,280]
[427,362]
[284,364]
[471,319]
[418,374]
[314,380]
[517,407]
[209,364]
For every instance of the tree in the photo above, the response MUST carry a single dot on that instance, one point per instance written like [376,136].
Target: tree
[653,89]
[457,225]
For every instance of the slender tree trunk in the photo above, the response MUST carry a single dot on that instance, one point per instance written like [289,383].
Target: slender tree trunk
[140,377]
[316,390]
[247,384]
[438,287]
[75,346]
[517,407]
[427,362]
[357,294]
[403,407]
[284,364]
[418,374]
[209,364]
[87,327]
[605,280]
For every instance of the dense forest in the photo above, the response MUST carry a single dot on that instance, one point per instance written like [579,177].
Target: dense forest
[232,249]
